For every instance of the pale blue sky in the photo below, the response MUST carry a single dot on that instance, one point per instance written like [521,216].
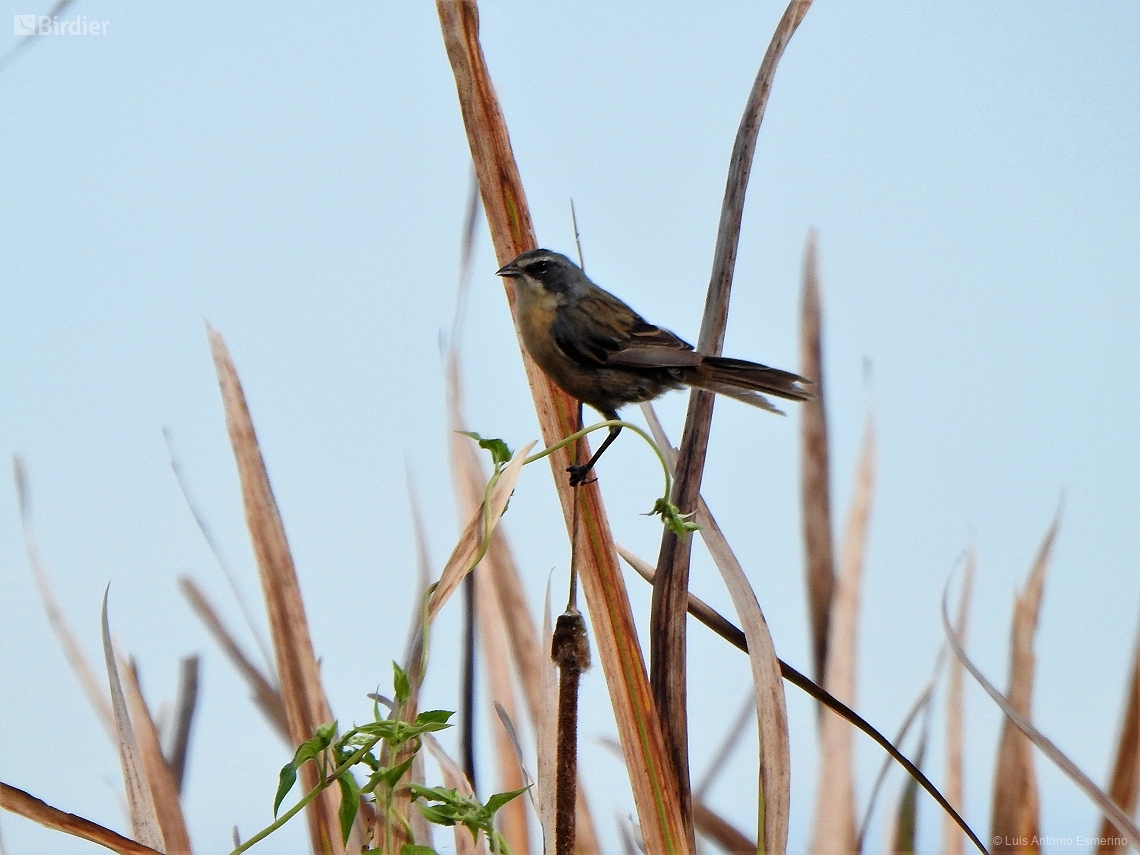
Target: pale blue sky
[297,177]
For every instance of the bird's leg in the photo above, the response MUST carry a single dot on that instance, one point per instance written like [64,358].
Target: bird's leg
[578,471]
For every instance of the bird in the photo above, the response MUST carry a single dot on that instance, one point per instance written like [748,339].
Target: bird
[600,351]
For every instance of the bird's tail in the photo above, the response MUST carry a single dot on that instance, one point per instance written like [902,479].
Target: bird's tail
[740,379]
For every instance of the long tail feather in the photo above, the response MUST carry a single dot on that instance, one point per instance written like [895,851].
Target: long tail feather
[740,375]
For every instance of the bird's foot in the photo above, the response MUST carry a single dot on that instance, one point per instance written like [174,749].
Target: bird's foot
[579,474]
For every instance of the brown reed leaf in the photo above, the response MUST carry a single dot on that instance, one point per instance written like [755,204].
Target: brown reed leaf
[1015,820]
[667,624]
[834,828]
[21,803]
[297,668]
[140,804]
[651,777]
[160,778]
[815,489]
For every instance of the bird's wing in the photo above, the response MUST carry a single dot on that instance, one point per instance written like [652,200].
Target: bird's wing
[599,329]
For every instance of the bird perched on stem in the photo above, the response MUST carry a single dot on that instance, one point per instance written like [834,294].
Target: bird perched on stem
[602,352]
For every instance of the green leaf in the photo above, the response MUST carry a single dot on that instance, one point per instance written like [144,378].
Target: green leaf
[416,849]
[400,683]
[349,803]
[500,451]
[434,717]
[499,799]
[285,783]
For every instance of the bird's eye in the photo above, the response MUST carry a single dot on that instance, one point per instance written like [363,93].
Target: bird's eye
[540,266]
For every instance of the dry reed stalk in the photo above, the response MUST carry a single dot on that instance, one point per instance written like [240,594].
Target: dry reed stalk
[159,776]
[667,624]
[952,843]
[815,489]
[570,650]
[834,828]
[1015,821]
[652,781]
[297,668]
[18,802]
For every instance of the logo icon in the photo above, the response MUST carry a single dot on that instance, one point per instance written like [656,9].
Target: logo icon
[24,25]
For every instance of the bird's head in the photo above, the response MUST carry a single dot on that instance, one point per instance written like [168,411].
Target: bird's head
[544,272]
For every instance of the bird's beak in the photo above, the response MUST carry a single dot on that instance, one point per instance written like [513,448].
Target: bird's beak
[509,270]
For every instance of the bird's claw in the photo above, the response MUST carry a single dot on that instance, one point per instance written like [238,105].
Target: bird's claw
[579,474]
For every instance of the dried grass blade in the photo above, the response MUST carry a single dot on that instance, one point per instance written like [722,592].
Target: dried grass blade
[834,830]
[771,710]
[819,558]
[265,694]
[18,802]
[140,805]
[1124,788]
[305,703]
[163,785]
[184,707]
[667,625]
[720,831]
[1015,806]
[952,843]
[472,543]
[67,639]
[1111,810]
[651,778]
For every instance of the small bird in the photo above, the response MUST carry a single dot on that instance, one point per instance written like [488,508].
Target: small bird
[602,352]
